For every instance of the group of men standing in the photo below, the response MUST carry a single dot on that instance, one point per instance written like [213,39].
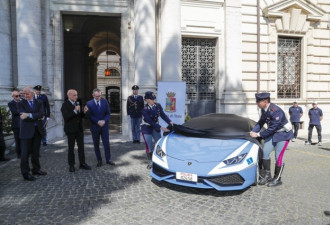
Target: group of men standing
[98,112]
[315,115]
[30,112]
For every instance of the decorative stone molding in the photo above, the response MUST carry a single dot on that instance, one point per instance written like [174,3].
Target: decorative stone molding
[293,16]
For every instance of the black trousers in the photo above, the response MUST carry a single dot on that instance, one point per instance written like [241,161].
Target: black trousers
[310,131]
[30,147]
[295,128]
[72,138]
[17,141]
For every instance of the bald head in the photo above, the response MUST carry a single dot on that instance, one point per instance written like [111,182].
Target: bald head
[72,95]
[28,92]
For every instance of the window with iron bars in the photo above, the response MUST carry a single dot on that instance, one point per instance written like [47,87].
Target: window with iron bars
[198,68]
[289,67]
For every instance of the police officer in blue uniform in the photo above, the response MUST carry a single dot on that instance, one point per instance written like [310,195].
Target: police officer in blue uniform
[44,99]
[315,116]
[296,113]
[135,104]
[150,125]
[277,135]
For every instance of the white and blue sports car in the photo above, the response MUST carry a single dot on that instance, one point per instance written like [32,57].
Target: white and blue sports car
[213,151]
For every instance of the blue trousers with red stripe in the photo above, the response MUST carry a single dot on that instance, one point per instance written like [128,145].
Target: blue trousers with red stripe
[280,148]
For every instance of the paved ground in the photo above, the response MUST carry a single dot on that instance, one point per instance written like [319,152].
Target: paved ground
[125,194]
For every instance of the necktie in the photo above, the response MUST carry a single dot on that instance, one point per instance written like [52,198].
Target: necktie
[98,105]
[134,96]
[31,104]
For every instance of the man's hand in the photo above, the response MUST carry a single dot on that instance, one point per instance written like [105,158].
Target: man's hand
[172,123]
[85,109]
[77,108]
[101,123]
[165,129]
[253,134]
[24,115]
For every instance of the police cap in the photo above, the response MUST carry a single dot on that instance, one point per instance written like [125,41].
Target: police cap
[262,96]
[37,88]
[135,87]
[150,95]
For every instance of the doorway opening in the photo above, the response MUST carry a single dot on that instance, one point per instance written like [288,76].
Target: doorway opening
[89,42]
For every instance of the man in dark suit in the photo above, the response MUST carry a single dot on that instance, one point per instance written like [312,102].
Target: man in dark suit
[31,131]
[135,104]
[73,128]
[44,99]
[15,120]
[98,111]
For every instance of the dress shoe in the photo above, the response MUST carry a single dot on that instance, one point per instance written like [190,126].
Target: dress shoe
[99,163]
[39,172]
[138,142]
[72,169]
[3,159]
[44,144]
[111,163]
[28,177]
[85,166]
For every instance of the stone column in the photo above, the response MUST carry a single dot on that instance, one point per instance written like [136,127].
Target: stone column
[5,49]
[170,40]
[234,98]
[145,44]
[29,42]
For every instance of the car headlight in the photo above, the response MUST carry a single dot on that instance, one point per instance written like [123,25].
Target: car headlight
[160,152]
[235,160]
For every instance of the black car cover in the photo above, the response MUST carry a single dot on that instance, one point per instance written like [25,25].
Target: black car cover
[218,126]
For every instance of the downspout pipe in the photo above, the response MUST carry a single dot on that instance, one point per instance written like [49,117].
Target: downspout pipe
[258,46]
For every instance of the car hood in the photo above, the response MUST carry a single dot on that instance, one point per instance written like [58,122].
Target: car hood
[200,149]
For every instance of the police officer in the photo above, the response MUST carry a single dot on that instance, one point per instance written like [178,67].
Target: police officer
[135,104]
[44,99]
[277,135]
[315,116]
[296,113]
[150,125]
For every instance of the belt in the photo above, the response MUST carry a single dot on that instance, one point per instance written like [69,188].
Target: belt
[281,130]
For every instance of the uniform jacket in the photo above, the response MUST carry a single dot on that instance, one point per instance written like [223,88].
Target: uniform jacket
[295,114]
[275,118]
[28,124]
[135,106]
[44,99]
[15,119]
[95,114]
[72,121]
[314,115]
[150,118]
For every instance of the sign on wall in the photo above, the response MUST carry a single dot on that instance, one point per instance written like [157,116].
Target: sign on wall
[172,97]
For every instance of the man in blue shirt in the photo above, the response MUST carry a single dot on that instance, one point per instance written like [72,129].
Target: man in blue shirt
[315,116]
[296,113]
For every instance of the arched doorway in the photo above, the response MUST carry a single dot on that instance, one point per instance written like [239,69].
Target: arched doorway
[88,42]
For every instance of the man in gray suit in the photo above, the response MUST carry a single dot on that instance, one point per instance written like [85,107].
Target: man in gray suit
[31,114]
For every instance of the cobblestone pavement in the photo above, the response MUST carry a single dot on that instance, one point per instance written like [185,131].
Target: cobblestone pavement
[125,194]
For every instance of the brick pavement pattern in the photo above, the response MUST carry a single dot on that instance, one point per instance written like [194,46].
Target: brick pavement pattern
[125,194]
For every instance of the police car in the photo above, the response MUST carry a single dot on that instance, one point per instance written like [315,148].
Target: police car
[213,151]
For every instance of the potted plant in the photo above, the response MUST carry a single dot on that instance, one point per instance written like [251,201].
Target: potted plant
[6,127]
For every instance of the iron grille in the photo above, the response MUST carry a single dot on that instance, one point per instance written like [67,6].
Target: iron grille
[198,68]
[289,67]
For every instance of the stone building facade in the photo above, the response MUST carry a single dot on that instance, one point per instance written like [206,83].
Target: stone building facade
[225,50]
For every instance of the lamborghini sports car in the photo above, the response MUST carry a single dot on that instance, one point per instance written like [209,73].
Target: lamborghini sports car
[210,151]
